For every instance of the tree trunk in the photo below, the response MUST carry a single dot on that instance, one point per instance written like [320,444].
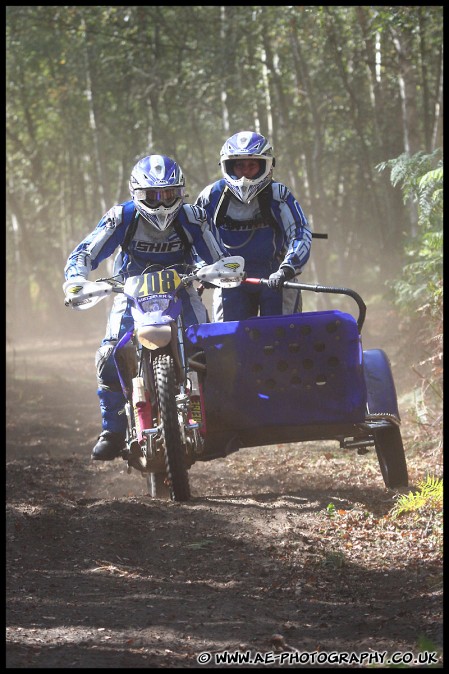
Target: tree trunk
[93,121]
[437,132]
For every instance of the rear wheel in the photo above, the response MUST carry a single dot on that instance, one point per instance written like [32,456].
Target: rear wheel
[175,460]
[391,456]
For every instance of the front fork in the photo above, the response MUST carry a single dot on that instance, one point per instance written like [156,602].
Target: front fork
[134,367]
[145,450]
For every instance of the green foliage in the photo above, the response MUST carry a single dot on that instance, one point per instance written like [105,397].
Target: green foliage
[420,286]
[418,292]
[334,559]
[426,644]
[429,495]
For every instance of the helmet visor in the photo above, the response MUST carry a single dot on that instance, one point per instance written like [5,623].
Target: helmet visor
[162,196]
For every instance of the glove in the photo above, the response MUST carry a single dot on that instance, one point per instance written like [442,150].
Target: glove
[278,278]
[71,287]
[73,281]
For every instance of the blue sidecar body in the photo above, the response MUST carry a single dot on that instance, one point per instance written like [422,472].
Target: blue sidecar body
[292,378]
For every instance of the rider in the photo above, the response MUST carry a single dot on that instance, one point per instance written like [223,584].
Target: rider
[154,227]
[260,220]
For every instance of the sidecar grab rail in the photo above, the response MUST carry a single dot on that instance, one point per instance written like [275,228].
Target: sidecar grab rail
[322,289]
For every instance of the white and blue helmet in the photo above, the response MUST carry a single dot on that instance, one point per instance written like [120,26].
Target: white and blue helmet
[157,187]
[247,145]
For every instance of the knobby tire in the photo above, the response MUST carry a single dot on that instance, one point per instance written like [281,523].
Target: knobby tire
[175,462]
[391,456]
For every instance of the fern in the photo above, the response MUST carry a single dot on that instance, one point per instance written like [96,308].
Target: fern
[418,292]
[428,495]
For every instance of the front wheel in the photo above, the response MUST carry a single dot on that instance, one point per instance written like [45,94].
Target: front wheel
[175,460]
[391,456]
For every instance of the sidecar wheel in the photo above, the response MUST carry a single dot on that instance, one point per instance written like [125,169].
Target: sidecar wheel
[158,486]
[391,456]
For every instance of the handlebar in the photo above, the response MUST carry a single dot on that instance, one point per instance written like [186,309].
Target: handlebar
[226,272]
[321,289]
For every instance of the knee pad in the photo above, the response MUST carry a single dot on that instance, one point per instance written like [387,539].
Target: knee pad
[107,376]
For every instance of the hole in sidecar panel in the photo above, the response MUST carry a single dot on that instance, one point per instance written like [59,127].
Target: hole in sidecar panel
[333,326]
[268,350]
[295,381]
[320,380]
[333,361]
[319,346]
[253,334]
[307,364]
[257,367]
[293,348]
[305,330]
[282,365]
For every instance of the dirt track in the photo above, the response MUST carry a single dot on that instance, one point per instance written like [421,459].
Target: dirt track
[98,575]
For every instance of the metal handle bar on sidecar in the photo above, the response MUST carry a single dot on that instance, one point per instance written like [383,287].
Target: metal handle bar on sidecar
[321,289]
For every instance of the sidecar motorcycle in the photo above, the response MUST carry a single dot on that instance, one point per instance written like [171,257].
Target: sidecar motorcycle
[263,381]
[295,378]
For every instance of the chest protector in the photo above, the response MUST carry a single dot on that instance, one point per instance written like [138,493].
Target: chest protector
[133,228]
[264,198]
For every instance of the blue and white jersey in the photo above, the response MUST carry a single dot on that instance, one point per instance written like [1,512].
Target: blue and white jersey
[147,245]
[243,231]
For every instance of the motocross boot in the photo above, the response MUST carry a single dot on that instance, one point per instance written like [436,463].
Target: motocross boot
[112,439]
[109,446]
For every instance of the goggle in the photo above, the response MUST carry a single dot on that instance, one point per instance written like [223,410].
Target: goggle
[241,162]
[162,196]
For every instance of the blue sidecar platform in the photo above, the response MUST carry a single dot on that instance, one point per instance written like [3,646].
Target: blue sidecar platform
[280,372]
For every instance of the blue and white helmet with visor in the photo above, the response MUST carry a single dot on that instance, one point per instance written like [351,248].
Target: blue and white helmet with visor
[157,187]
[247,145]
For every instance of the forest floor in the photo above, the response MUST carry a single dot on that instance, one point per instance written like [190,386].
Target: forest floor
[286,551]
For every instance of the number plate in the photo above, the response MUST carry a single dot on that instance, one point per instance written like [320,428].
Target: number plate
[154,283]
